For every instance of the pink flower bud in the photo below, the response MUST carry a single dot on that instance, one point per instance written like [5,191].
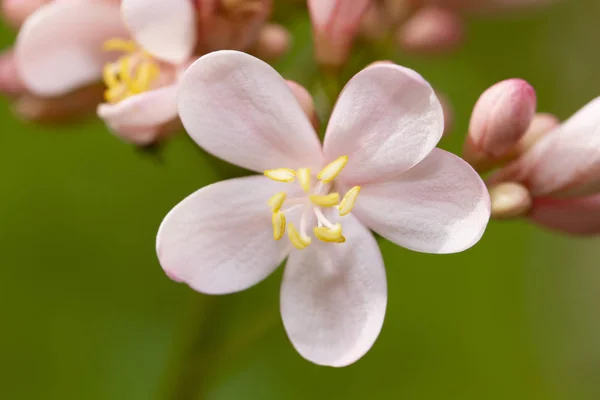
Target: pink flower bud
[499,120]
[10,82]
[431,30]
[565,162]
[16,11]
[580,216]
[273,42]
[541,124]
[305,100]
[335,24]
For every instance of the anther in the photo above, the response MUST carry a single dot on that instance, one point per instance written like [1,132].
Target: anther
[284,175]
[300,241]
[333,169]
[278,220]
[329,235]
[348,201]
[303,175]
[329,200]
[276,201]
[117,44]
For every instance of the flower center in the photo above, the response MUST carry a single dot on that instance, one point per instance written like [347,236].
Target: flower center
[131,74]
[317,198]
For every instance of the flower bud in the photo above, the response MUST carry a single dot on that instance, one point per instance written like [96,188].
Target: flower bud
[16,11]
[541,124]
[579,216]
[335,24]
[10,82]
[431,30]
[500,118]
[306,102]
[273,42]
[566,161]
[509,200]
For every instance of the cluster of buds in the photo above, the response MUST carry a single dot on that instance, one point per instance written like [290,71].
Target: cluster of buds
[543,170]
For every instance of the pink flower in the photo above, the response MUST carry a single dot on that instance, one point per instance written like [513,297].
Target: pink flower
[72,43]
[377,169]
[562,172]
[335,24]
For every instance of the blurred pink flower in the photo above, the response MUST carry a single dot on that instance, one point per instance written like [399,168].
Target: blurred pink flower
[335,24]
[379,150]
[71,43]
[562,172]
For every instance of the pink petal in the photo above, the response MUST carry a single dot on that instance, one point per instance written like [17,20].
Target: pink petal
[240,109]
[165,29]
[10,81]
[146,110]
[386,120]
[59,48]
[565,161]
[220,239]
[439,206]
[580,216]
[333,297]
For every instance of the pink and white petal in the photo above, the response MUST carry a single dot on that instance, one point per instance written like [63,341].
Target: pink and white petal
[579,216]
[165,29]
[439,206]
[386,120]
[333,297]
[240,109]
[145,110]
[220,239]
[565,161]
[139,135]
[59,48]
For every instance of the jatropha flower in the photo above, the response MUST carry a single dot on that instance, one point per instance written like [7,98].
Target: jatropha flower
[378,168]
[561,171]
[138,48]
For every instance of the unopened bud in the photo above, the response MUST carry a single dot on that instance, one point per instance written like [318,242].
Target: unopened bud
[541,124]
[335,24]
[509,200]
[431,30]
[500,118]
[306,102]
[273,42]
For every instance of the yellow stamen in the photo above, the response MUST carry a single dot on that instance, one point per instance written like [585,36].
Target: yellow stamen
[298,240]
[276,201]
[114,94]
[330,235]
[125,71]
[117,44]
[333,169]
[278,220]
[348,201]
[330,200]
[303,175]
[109,75]
[284,175]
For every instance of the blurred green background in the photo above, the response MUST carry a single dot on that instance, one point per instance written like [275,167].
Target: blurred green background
[88,313]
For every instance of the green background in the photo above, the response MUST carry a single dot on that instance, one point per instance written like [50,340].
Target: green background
[89,314]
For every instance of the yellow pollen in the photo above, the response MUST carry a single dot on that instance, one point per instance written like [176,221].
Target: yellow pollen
[296,238]
[333,169]
[278,220]
[329,200]
[276,201]
[131,74]
[330,235]
[348,201]
[303,175]
[284,175]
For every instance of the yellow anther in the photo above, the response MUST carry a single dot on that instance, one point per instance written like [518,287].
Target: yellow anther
[333,169]
[329,200]
[109,75]
[125,70]
[276,201]
[348,200]
[299,240]
[116,44]
[278,220]
[115,94]
[303,175]
[285,175]
[330,235]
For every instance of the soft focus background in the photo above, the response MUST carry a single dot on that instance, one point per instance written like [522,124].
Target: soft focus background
[89,314]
